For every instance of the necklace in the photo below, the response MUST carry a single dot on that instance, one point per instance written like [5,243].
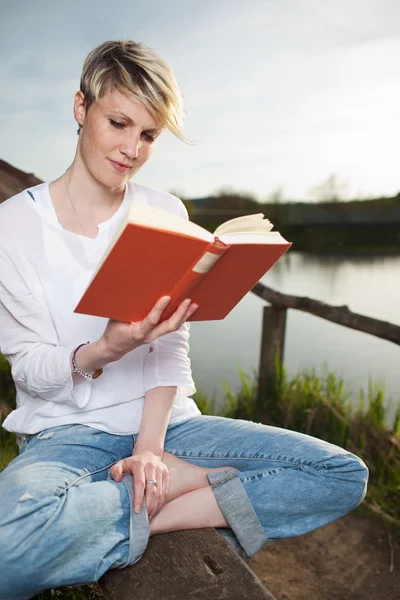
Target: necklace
[72,204]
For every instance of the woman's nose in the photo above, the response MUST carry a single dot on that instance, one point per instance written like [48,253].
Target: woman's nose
[131,148]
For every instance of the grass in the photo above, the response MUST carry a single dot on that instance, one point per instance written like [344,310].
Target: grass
[87,592]
[315,404]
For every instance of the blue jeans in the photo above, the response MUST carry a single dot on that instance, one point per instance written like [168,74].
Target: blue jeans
[65,521]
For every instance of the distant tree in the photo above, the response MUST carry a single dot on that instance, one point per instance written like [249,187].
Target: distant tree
[331,189]
[230,192]
[276,197]
[229,199]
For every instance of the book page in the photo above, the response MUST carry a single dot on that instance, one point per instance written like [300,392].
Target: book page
[245,223]
[149,216]
[263,226]
[269,237]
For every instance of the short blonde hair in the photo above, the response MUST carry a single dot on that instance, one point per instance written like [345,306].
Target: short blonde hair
[134,69]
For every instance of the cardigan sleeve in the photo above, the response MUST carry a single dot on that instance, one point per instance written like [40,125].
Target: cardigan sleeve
[39,364]
[168,362]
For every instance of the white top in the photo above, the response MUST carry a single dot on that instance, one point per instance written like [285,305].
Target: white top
[44,269]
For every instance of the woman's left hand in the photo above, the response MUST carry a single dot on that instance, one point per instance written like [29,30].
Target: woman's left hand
[145,465]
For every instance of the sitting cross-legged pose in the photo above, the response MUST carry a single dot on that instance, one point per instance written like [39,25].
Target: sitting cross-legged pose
[113,449]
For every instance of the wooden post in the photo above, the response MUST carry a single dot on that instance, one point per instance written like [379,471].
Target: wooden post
[272,340]
[193,564]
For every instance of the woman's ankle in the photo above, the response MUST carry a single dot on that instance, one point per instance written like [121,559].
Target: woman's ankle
[193,510]
[186,477]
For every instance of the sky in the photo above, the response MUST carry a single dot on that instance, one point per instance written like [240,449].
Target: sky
[279,94]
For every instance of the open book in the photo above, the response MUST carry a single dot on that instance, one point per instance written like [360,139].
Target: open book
[156,253]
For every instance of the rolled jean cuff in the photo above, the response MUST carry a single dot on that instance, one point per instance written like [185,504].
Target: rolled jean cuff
[139,528]
[237,509]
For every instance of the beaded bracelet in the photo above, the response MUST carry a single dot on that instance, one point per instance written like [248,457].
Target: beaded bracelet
[76,369]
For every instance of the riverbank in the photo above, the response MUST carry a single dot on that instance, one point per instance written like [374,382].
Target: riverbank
[368,227]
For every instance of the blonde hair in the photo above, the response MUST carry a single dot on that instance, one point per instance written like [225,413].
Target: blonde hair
[134,69]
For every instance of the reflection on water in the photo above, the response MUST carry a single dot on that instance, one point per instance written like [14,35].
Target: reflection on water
[369,286]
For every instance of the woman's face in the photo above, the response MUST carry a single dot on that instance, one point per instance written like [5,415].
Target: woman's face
[117,137]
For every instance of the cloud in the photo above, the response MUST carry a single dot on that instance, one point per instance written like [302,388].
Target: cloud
[277,93]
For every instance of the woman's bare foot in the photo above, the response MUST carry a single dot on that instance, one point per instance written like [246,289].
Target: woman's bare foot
[195,509]
[185,477]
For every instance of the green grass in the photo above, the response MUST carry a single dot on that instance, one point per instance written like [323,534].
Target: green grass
[87,592]
[312,403]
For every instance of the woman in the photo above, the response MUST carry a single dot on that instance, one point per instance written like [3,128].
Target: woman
[112,447]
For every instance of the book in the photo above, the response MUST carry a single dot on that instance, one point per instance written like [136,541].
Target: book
[155,253]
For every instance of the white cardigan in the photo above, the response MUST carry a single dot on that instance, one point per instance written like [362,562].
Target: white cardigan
[44,270]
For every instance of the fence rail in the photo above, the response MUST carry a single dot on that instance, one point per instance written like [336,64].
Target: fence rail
[274,326]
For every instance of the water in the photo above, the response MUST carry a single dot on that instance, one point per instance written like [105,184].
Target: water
[369,286]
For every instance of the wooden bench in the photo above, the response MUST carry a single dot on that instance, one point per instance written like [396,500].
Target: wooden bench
[185,565]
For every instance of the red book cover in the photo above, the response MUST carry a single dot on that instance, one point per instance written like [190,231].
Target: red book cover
[147,262]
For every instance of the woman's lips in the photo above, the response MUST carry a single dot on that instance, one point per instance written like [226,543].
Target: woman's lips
[118,167]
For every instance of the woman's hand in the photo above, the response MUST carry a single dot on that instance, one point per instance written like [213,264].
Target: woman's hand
[145,465]
[119,337]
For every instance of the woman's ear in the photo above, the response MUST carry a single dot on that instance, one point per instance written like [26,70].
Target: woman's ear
[79,108]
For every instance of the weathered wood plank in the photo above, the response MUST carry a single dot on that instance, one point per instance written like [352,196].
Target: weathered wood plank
[272,340]
[181,565]
[337,314]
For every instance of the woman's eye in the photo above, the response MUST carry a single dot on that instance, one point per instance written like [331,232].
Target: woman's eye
[148,137]
[116,124]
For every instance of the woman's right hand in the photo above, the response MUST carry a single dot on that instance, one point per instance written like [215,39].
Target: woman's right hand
[120,337]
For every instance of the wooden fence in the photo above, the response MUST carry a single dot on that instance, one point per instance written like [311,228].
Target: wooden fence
[274,325]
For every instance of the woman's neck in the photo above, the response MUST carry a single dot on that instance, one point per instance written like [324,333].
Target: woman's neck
[88,194]
[81,203]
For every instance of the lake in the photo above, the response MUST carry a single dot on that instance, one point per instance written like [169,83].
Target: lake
[369,286]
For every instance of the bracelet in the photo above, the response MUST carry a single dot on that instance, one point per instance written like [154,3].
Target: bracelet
[76,369]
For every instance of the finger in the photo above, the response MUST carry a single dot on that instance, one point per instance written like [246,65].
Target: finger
[177,320]
[192,309]
[182,313]
[151,498]
[165,478]
[159,492]
[162,303]
[163,490]
[151,320]
[177,315]
[117,471]
[151,489]
[138,486]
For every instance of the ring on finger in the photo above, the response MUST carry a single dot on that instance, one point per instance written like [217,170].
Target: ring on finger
[153,481]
